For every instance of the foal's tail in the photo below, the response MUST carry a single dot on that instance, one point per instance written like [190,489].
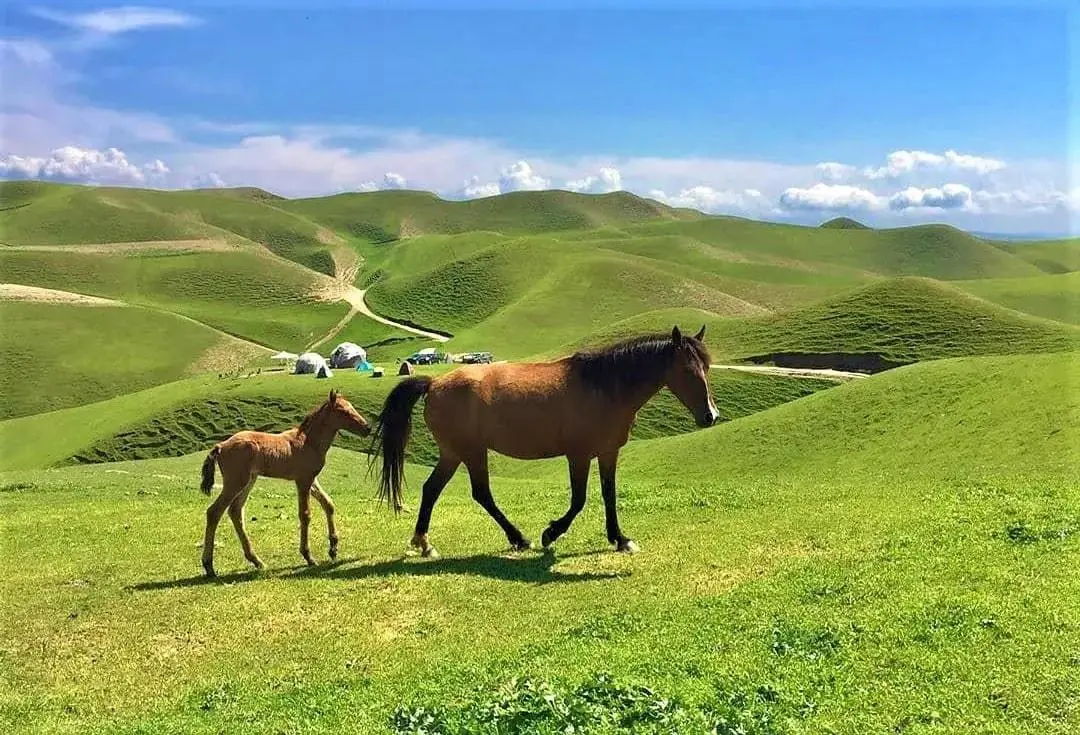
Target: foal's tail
[208,470]
[391,434]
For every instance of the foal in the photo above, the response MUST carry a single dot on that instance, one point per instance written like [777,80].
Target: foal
[297,454]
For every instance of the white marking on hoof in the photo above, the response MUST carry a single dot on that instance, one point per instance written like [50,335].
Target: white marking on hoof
[629,548]
[430,553]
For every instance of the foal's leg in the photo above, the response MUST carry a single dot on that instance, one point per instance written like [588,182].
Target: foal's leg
[232,485]
[481,492]
[236,514]
[433,487]
[615,535]
[328,508]
[579,481]
[303,502]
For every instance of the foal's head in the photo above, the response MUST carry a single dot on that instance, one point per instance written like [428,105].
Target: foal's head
[688,376]
[341,415]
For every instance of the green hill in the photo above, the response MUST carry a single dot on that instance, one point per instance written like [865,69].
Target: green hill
[903,320]
[390,215]
[59,215]
[61,355]
[241,292]
[1051,296]
[843,223]
[1053,256]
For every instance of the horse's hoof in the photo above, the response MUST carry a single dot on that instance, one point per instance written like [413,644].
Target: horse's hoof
[523,544]
[257,563]
[628,547]
[209,571]
[430,553]
[333,553]
[547,539]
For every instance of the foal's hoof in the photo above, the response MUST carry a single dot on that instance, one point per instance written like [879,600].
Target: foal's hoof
[333,553]
[208,569]
[628,547]
[522,544]
[430,553]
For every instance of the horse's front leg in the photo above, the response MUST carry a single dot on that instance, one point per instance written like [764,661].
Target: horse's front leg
[615,535]
[303,502]
[579,481]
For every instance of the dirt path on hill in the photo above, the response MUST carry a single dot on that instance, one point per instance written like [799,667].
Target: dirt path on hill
[837,375]
[35,294]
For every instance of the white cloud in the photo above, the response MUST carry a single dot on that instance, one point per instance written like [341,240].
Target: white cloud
[520,176]
[26,51]
[708,199]
[475,189]
[608,181]
[390,180]
[209,180]
[89,166]
[899,163]
[950,196]
[833,172]
[110,21]
[831,197]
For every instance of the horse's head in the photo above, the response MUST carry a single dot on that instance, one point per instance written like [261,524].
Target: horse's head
[344,416]
[688,377]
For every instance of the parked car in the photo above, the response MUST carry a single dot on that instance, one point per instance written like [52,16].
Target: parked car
[424,357]
[476,357]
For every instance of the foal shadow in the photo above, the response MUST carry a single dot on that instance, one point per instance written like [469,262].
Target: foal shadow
[537,569]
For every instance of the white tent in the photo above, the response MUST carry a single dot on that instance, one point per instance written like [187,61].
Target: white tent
[310,362]
[347,355]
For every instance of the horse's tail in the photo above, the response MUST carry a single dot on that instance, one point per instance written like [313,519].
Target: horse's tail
[208,470]
[391,434]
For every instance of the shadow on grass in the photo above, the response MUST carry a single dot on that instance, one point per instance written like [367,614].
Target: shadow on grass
[534,568]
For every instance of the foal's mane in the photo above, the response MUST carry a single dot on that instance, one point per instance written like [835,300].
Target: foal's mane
[313,414]
[622,366]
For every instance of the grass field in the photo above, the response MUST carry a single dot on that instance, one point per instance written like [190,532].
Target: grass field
[58,355]
[894,554]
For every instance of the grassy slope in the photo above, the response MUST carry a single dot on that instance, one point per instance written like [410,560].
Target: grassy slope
[905,319]
[259,298]
[388,215]
[896,554]
[56,214]
[58,355]
[188,415]
[1053,256]
[1052,296]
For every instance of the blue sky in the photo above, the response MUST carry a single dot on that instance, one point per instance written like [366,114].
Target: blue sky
[956,115]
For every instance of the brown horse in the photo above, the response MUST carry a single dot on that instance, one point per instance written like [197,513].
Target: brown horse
[297,454]
[580,407]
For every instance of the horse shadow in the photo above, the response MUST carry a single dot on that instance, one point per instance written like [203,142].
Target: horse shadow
[537,569]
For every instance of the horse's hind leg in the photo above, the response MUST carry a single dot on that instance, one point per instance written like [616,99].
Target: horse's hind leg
[303,502]
[328,508]
[481,492]
[232,486]
[433,487]
[579,481]
[236,514]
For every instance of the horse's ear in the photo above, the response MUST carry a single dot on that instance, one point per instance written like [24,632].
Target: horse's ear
[700,334]
[333,395]
[676,335]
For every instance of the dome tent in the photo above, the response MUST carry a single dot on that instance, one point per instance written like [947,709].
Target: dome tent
[310,362]
[347,355]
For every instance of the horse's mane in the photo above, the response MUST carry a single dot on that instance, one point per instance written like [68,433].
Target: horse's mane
[622,366]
